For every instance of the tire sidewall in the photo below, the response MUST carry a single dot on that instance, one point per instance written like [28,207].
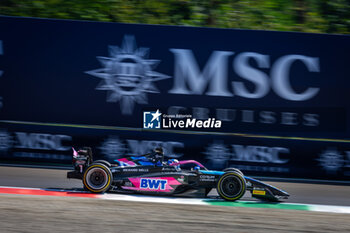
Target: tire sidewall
[104,162]
[231,169]
[108,175]
[240,178]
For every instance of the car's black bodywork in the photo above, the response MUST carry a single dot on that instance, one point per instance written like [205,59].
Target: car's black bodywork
[149,174]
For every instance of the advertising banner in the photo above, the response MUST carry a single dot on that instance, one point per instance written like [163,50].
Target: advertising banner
[269,103]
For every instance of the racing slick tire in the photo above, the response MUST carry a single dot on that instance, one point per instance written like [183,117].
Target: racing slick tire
[231,186]
[231,169]
[97,178]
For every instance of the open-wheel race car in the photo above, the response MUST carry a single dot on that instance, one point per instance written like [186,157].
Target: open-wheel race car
[151,174]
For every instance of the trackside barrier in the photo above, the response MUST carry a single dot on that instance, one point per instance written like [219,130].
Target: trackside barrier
[282,97]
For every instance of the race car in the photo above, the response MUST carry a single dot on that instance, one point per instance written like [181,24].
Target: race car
[151,174]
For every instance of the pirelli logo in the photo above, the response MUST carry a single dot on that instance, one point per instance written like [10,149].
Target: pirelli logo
[259,192]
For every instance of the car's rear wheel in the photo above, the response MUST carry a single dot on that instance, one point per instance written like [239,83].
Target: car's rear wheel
[97,178]
[104,162]
[231,186]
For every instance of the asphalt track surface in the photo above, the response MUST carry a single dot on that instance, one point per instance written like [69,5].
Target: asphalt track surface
[20,213]
[305,193]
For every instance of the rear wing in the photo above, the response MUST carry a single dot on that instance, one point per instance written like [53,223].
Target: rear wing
[82,158]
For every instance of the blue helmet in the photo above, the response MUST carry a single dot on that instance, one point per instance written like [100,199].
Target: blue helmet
[172,161]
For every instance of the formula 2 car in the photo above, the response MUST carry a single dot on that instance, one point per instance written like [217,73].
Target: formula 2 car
[150,174]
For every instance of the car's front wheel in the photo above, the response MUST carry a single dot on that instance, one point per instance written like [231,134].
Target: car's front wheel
[97,178]
[231,169]
[231,186]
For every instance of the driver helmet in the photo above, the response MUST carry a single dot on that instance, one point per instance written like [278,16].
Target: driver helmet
[171,161]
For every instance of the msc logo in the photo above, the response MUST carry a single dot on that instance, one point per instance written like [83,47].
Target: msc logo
[151,120]
[154,184]
[127,74]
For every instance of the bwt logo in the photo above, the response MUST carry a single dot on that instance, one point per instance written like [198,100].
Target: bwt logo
[154,184]
[151,120]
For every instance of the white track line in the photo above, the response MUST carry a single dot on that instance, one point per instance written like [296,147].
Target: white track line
[153,199]
[190,201]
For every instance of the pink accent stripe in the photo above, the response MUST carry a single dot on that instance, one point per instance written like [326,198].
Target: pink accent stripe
[41,192]
[124,160]
[131,188]
[188,161]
